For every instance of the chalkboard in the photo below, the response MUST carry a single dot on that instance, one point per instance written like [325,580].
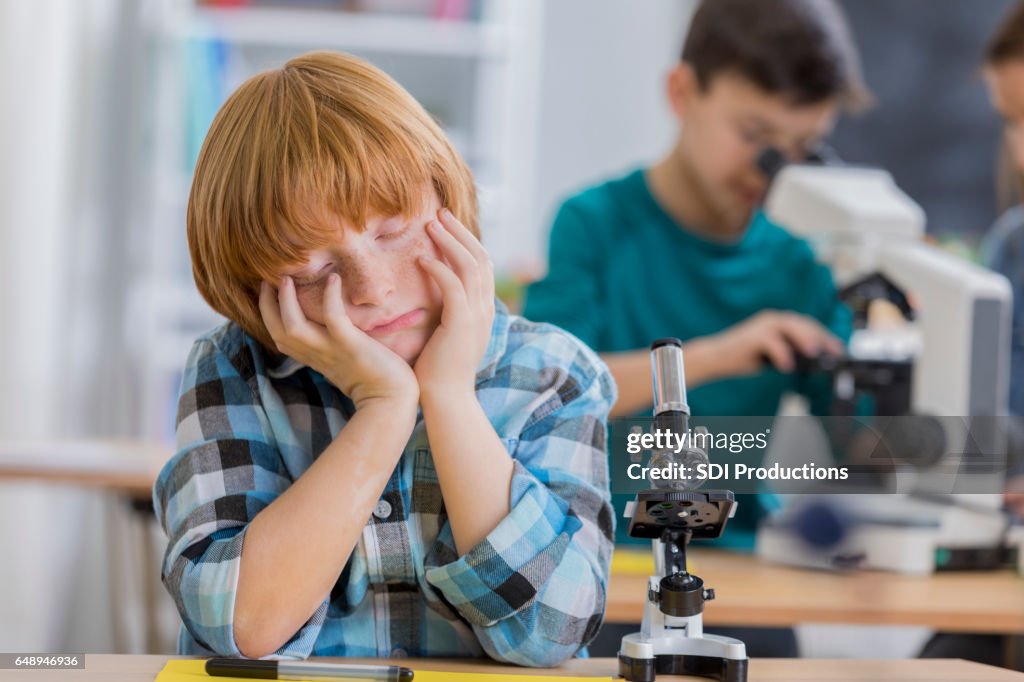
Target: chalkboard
[932,125]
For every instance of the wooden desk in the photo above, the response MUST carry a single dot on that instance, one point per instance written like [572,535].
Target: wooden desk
[111,668]
[124,466]
[749,591]
[753,592]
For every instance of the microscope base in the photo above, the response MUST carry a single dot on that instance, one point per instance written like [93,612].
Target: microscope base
[713,656]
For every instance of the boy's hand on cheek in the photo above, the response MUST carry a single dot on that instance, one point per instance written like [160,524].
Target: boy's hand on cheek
[447,365]
[360,366]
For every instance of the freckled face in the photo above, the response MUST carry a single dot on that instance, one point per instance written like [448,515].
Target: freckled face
[386,293]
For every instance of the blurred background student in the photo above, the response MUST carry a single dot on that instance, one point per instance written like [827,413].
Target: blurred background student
[1004,245]
[1003,251]
[681,248]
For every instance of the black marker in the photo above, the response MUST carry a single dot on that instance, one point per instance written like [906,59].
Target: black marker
[305,670]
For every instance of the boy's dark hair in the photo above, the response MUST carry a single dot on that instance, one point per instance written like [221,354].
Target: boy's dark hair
[800,49]
[1007,45]
[1007,42]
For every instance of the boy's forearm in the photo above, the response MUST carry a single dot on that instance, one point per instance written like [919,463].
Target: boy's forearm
[295,549]
[534,629]
[473,466]
[632,373]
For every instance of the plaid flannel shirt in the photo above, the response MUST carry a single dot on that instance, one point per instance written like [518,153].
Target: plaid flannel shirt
[532,592]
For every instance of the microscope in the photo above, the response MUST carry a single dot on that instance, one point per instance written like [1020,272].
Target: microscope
[871,235]
[671,640]
[941,378]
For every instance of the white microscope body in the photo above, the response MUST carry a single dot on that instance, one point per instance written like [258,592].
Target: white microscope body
[860,223]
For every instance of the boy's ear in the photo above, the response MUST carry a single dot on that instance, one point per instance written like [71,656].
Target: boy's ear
[681,86]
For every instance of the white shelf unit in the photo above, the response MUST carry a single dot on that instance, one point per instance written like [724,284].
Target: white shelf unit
[479,77]
[395,34]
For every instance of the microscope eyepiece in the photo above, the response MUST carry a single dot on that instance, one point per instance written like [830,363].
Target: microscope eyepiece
[672,414]
[669,377]
[770,161]
[667,341]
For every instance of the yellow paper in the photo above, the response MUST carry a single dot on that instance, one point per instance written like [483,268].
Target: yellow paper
[637,562]
[632,562]
[193,670]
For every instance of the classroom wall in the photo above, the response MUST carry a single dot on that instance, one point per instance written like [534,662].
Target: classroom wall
[65,136]
[34,136]
[603,108]
[932,126]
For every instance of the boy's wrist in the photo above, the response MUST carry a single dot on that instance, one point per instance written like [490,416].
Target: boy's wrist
[706,356]
[394,392]
[435,398]
[398,405]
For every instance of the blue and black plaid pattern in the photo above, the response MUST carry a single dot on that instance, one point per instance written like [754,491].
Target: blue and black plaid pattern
[532,592]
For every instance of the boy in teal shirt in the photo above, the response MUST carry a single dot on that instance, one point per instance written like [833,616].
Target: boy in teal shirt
[682,249]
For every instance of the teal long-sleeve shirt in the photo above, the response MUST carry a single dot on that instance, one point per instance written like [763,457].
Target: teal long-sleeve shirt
[622,272]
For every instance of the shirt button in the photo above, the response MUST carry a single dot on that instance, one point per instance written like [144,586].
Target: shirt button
[398,652]
[383,510]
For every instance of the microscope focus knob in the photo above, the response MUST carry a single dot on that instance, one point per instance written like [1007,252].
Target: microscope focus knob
[709,594]
[681,595]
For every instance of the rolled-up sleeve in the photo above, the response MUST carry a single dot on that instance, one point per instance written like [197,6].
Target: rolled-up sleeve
[534,589]
[227,468]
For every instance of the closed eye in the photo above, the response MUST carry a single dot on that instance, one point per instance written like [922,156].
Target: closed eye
[314,279]
[392,234]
